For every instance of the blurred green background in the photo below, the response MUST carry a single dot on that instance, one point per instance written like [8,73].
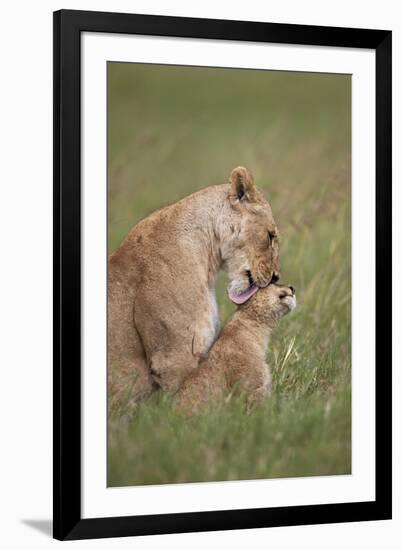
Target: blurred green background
[173,130]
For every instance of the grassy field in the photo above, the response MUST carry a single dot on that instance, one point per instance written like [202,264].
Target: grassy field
[174,130]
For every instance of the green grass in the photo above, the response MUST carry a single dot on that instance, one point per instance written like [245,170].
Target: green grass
[174,130]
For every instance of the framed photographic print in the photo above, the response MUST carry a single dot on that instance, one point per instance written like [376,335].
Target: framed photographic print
[222,237]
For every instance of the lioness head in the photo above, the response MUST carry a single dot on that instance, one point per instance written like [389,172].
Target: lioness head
[250,251]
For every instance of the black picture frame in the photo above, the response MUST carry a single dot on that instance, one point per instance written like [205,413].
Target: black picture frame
[68,26]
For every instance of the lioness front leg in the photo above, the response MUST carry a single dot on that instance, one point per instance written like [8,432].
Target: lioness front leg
[257,396]
[169,369]
[175,344]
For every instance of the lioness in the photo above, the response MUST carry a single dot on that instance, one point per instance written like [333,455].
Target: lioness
[162,311]
[237,359]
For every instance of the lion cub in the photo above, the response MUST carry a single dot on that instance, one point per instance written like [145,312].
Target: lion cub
[237,359]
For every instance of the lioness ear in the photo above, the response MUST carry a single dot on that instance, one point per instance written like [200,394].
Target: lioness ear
[242,184]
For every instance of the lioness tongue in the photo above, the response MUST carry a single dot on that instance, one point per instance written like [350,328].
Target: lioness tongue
[243,296]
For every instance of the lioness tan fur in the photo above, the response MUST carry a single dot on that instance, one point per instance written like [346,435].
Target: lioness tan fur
[237,359]
[162,311]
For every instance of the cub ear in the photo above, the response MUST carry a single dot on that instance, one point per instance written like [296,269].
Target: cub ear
[242,184]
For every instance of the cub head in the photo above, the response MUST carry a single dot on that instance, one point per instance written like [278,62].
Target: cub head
[250,247]
[271,303]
